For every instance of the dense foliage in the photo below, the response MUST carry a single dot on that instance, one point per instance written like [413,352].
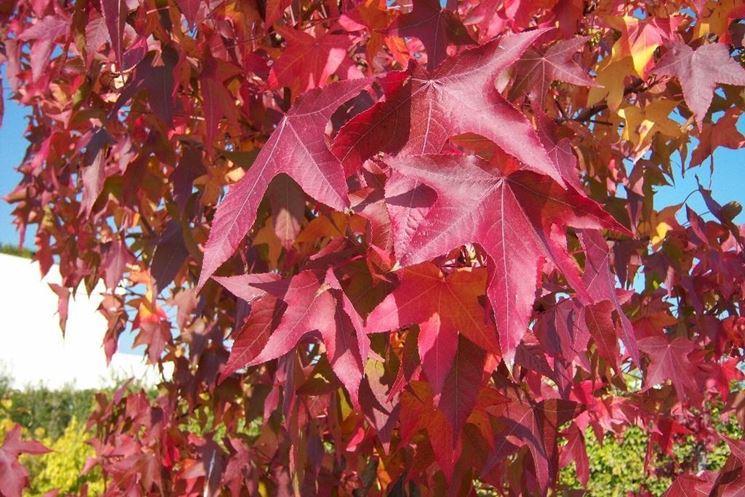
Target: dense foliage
[616,466]
[439,264]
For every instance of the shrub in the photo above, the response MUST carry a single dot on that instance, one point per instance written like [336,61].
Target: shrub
[62,468]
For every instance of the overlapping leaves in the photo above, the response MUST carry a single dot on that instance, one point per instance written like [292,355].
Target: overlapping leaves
[422,273]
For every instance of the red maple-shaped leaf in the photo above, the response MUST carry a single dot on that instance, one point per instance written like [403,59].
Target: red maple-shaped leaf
[297,148]
[535,426]
[115,261]
[510,217]
[535,71]
[169,256]
[462,384]
[250,287]
[687,485]
[442,305]
[423,109]
[218,102]
[601,285]
[699,71]
[154,330]
[561,333]
[190,9]
[63,304]
[444,419]
[43,34]
[308,61]
[315,304]
[669,361]
[115,14]
[435,27]
[730,482]
[418,413]
[153,76]
[599,323]
[576,451]
[723,133]
[13,476]
[253,335]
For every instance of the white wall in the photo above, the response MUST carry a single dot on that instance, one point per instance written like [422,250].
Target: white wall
[32,349]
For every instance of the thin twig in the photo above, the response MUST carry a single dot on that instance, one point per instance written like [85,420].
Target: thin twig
[587,114]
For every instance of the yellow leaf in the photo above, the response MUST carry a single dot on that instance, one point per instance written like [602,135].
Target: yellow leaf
[324,227]
[717,19]
[138,276]
[659,224]
[641,124]
[267,236]
[634,42]
[639,40]
[660,232]
[641,58]
[611,80]
[235,174]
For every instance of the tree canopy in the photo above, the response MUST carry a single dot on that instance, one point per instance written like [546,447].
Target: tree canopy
[390,248]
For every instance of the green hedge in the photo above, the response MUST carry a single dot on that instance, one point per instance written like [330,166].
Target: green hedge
[15,250]
[48,410]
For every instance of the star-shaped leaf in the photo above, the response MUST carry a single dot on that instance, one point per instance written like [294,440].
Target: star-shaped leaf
[297,148]
[316,304]
[115,14]
[640,38]
[536,71]
[687,485]
[601,285]
[723,133]
[510,217]
[730,482]
[43,33]
[535,426]
[699,71]
[253,335]
[423,109]
[307,62]
[442,305]
[435,27]
[218,101]
[576,451]
[462,385]
[13,476]
[669,361]
[444,419]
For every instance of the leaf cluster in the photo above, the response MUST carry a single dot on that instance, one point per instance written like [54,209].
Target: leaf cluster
[390,248]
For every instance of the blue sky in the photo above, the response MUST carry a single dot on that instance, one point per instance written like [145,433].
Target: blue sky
[12,147]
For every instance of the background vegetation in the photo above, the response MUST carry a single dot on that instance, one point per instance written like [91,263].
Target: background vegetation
[15,250]
[57,418]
